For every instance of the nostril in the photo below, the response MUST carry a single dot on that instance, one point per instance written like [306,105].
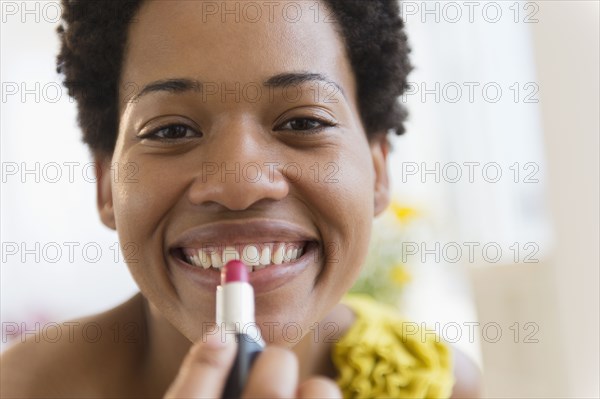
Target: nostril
[237,189]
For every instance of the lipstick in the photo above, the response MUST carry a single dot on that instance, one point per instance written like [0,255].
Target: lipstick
[235,315]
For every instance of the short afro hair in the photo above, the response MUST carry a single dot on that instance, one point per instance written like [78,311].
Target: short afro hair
[93,35]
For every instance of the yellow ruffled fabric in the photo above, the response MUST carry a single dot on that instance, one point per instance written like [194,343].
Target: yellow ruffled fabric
[377,359]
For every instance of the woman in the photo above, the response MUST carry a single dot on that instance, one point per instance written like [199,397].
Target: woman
[241,127]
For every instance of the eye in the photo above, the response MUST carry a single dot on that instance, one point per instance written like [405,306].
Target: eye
[306,124]
[171,132]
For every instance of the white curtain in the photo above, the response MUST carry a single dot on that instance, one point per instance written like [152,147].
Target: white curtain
[472,158]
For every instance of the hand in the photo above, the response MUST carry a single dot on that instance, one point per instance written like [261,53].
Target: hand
[274,374]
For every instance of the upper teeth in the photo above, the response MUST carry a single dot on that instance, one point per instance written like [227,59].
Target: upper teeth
[255,256]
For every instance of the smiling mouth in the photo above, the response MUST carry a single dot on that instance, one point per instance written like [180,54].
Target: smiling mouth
[256,256]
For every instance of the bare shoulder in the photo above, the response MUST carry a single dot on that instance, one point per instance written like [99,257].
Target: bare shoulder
[69,358]
[37,367]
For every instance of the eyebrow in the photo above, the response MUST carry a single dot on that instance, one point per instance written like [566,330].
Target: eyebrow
[179,85]
[289,79]
[182,85]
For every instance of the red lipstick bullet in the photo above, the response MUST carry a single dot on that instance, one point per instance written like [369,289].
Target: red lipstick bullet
[235,314]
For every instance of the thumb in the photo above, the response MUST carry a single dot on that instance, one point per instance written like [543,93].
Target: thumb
[204,370]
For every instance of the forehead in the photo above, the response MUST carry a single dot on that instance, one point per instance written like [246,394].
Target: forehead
[234,41]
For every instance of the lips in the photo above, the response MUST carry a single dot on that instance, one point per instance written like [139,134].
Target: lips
[274,251]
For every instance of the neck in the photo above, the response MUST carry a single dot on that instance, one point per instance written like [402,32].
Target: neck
[166,348]
[314,350]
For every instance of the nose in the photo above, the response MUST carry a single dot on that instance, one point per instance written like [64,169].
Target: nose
[237,172]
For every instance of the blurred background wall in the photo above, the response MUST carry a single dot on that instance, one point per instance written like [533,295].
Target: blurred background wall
[500,163]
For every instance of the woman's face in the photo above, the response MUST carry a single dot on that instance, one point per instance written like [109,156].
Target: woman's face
[244,135]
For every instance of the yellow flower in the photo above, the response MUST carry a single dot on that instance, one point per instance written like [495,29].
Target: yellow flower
[399,275]
[403,213]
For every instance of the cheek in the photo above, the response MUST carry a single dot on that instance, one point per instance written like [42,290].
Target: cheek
[343,199]
[355,214]
[143,191]
[143,199]
[143,209]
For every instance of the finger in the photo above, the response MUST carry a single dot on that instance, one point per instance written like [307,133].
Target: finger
[274,375]
[204,370]
[319,387]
